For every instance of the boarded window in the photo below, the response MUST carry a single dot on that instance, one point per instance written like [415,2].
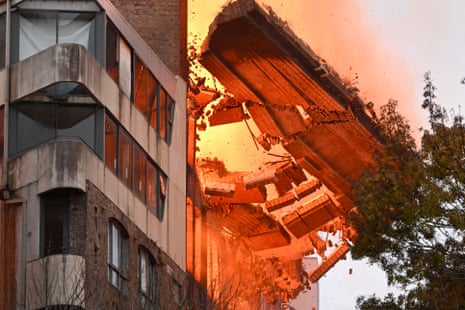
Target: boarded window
[125,67]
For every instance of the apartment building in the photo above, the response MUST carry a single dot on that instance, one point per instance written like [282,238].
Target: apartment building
[93,159]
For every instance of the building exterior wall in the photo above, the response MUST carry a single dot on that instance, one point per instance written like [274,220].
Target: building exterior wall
[95,194]
[163,25]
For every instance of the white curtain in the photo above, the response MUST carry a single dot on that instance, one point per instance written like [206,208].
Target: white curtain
[37,34]
[71,30]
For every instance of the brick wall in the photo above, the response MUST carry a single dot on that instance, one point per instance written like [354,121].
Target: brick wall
[163,25]
[100,210]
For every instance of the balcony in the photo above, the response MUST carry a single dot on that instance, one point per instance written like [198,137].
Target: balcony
[56,280]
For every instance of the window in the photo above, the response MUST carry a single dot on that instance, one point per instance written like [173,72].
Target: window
[140,161]
[39,30]
[163,113]
[152,97]
[125,158]
[54,224]
[112,52]
[118,256]
[125,67]
[152,177]
[147,279]
[35,123]
[140,86]
[134,168]
[111,144]
[171,105]
[162,179]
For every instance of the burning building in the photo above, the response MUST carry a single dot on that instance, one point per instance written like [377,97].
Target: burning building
[260,223]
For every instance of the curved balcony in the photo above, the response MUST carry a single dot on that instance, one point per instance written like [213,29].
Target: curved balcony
[56,280]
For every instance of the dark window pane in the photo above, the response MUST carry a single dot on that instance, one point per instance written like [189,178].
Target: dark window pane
[55,222]
[163,113]
[140,86]
[171,105]
[112,51]
[162,179]
[78,122]
[34,124]
[111,144]
[125,159]
[152,187]
[139,173]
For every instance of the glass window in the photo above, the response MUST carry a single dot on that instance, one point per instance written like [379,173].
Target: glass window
[118,255]
[162,188]
[140,86]
[111,140]
[163,113]
[77,122]
[152,188]
[125,158]
[147,279]
[30,125]
[39,30]
[152,93]
[54,225]
[112,51]
[140,161]
[171,105]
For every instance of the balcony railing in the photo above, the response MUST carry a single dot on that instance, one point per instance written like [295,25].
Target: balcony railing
[56,280]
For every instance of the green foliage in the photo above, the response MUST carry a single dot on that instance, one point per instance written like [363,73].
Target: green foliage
[411,209]
[375,303]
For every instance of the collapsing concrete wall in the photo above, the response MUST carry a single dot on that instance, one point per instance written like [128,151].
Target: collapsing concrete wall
[279,211]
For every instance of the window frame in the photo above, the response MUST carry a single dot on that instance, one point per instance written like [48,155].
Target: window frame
[118,267]
[47,201]
[149,295]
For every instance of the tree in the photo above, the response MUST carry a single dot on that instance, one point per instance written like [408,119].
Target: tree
[411,208]
[375,303]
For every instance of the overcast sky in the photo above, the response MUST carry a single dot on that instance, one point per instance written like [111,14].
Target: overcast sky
[385,46]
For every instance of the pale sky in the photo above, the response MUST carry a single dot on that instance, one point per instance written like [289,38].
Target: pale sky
[388,45]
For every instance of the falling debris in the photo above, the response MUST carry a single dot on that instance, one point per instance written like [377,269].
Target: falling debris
[288,207]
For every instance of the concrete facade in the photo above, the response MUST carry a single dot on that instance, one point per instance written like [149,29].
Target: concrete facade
[54,161]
